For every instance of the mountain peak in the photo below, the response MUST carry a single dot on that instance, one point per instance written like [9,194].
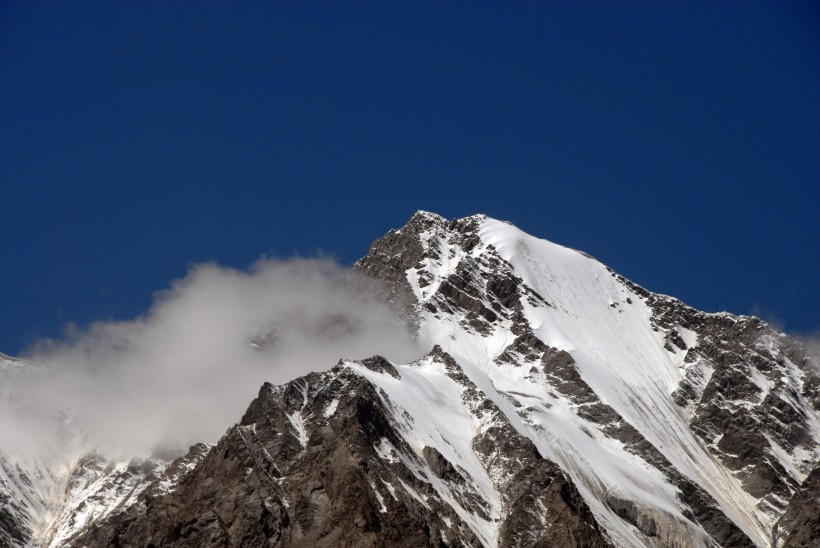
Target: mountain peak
[534,315]
[427,216]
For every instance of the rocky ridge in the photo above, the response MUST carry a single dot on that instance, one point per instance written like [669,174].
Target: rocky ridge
[334,459]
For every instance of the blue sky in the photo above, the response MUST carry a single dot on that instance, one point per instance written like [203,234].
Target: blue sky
[678,142]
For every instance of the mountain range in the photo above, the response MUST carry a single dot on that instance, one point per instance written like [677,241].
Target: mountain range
[556,404]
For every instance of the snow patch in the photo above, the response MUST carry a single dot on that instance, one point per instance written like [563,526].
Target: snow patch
[331,408]
[298,425]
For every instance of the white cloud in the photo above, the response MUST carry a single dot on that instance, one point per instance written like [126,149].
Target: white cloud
[187,369]
[812,343]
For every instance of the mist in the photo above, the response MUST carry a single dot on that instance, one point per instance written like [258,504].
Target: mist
[811,341]
[188,368]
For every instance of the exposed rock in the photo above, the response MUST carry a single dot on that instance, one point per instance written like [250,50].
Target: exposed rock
[799,527]
[439,465]
[633,513]
[380,365]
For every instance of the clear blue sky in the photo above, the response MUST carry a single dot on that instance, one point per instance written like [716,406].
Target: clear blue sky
[678,142]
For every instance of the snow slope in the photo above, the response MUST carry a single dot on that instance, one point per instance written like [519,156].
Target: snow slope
[606,326]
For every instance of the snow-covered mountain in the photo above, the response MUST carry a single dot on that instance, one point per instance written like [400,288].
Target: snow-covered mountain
[559,404]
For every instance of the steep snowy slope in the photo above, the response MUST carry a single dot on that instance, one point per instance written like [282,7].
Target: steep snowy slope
[701,425]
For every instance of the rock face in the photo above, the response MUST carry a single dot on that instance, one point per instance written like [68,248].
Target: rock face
[560,405]
[800,525]
[752,395]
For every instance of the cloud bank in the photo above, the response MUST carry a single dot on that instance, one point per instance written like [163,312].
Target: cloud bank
[187,369]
